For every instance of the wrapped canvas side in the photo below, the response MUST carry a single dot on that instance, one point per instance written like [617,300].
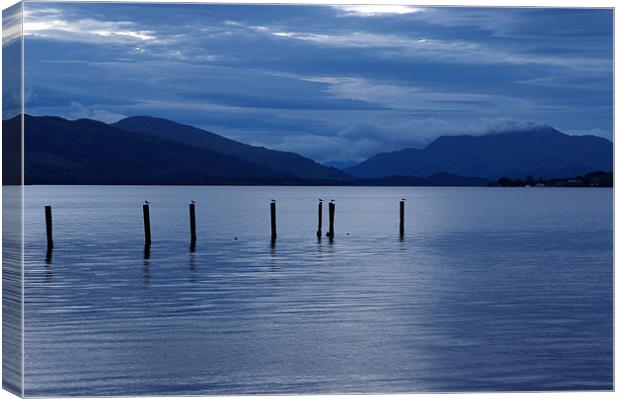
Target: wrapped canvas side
[12,200]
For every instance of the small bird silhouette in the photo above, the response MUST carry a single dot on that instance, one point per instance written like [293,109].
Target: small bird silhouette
[272,200]
[331,200]
[320,199]
[146,202]
[193,202]
[403,199]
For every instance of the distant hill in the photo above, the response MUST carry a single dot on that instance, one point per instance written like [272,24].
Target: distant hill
[436,179]
[339,164]
[12,152]
[541,151]
[285,162]
[58,151]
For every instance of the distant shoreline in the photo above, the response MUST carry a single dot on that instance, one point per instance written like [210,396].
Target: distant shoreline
[295,185]
[597,179]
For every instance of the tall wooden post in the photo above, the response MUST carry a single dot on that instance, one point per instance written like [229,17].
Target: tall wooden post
[402,217]
[274,234]
[147,224]
[192,223]
[48,227]
[319,231]
[332,211]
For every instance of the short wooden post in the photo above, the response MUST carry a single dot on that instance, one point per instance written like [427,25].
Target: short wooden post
[274,234]
[48,227]
[147,224]
[332,211]
[319,231]
[192,222]
[402,217]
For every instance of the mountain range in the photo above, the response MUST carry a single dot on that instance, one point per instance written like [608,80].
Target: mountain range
[148,150]
[280,161]
[540,151]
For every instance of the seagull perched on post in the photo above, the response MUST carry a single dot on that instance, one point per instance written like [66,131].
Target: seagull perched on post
[331,200]
[273,200]
[320,199]
[403,199]
[193,202]
[146,202]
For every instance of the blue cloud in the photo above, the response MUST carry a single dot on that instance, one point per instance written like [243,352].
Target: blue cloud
[333,83]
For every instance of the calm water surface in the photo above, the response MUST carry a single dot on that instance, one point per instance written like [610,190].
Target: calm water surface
[489,290]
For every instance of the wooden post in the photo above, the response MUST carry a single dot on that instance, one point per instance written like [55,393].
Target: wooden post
[332,211]
[192,222]
[274,234]
[402,217]
[319,232]
[48,227]
[147,225]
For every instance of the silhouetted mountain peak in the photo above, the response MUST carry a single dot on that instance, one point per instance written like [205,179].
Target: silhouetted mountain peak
[85,151]
[91,122]
[514,151]
[142,119]
[281,161]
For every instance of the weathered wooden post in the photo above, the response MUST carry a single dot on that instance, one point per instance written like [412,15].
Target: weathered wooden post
[192,222]
[319,232]
[48,227]
[402,217]
[147,224]
[274,234]
[332,211]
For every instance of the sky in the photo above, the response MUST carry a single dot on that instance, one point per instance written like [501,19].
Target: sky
[331,83]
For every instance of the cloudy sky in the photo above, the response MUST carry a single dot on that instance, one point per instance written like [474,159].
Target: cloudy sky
[332,83]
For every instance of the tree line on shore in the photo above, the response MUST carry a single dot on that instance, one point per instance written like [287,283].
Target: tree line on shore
[593,179]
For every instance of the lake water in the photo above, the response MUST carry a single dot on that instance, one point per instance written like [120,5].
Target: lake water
[490,289]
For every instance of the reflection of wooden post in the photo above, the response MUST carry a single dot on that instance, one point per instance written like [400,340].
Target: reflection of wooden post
[332,211]
[48,255]
[274,234]
[402,217]
[319,232]
[192,222]
[147,224]
[48,227]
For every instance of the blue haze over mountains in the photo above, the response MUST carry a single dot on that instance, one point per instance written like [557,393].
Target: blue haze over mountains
[147,150]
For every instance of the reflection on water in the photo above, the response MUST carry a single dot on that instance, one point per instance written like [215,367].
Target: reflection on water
[48,255]
[487,290]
